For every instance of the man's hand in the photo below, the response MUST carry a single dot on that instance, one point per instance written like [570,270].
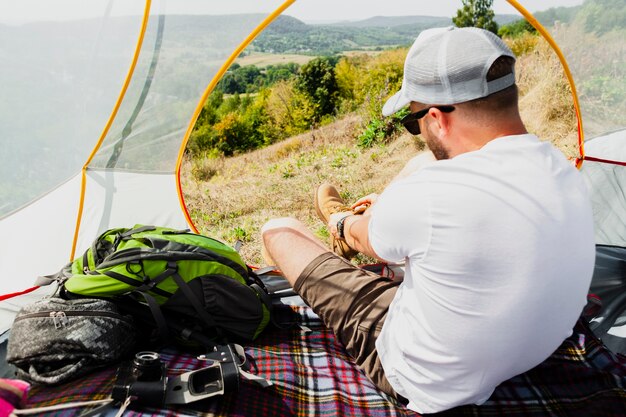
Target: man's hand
[332,222]
[364,203]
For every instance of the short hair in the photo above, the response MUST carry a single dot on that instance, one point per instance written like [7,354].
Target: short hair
[503,100]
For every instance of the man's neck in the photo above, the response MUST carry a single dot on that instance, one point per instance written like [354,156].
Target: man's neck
[474,137]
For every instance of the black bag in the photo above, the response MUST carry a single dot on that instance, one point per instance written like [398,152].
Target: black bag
[53,340]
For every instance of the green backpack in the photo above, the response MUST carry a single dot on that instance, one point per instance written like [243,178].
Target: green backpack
[192,285]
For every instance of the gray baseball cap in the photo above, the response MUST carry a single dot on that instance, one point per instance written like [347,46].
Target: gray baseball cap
[449,66]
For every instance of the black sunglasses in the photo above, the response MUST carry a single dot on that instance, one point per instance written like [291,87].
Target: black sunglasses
[410,121]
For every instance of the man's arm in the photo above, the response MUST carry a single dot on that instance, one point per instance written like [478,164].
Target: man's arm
[355,230]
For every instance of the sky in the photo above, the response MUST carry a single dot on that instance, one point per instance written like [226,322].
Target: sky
[18,11]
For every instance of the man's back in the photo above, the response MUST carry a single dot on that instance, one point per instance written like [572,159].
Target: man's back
[500,254]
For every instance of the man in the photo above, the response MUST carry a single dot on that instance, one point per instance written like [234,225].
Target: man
[496,236]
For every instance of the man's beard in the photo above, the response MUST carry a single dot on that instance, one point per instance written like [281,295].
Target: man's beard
[436,147]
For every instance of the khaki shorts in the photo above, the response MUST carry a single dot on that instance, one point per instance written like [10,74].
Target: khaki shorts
[353,303]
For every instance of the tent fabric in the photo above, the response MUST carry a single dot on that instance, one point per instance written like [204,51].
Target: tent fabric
[607,185]
[314,376]
[609,285]
[60,81]
[64,81]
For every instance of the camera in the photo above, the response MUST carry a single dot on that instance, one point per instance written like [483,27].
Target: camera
[144,379]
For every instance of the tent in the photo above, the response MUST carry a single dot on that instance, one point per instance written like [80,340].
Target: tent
[99,101]
[95,120]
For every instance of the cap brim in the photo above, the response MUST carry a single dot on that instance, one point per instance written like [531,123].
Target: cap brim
[396,102]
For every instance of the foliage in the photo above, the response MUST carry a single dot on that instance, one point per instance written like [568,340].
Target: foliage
[602,16]
[516,29]
[380,130]
[381,78]
[323,88]
[375,131]
[476,13]
[598,16]
[608,90]
[347,74]
[523,44]
[229,125]
[317,81]
[251,79]
[290,112]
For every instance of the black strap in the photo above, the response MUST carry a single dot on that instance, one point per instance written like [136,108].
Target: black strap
[265,297]
[139,285]
[127,234]
[195,303]
[159,318]
[170,271]
[86,261]
[151,285]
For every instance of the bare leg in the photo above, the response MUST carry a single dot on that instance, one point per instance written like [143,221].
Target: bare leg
[291,245]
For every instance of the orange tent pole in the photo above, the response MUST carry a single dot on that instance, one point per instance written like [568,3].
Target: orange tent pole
[131,70]
[269,19]
[531,19]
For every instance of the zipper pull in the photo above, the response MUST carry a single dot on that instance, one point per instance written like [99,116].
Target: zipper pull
[59,319]
[63,318]
[53,315]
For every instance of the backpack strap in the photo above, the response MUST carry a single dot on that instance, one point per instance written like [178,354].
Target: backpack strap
[270,297]
[197,306]
[157,314]
[150,285]
[129,233]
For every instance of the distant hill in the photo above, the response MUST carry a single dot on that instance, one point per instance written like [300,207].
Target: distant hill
[393,21]
[288,35]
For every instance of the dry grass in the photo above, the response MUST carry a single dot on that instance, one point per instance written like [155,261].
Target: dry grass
[279,181]
[231,199]
[598,62]
[546,102]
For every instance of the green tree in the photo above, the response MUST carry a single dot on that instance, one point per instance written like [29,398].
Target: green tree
[317,80]
[290,111]
[476,13]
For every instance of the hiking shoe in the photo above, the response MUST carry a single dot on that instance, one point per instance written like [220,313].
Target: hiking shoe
[327,202]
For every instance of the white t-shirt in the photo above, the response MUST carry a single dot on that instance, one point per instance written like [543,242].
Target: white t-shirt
[499,253]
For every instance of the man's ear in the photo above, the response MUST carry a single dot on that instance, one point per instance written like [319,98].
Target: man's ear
[440,125]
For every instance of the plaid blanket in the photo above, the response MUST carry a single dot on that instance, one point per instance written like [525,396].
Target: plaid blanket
[313,376]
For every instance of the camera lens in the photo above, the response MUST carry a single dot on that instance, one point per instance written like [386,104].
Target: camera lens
[147,358]
[147,366]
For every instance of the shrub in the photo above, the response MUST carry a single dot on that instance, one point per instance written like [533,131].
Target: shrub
[516,29]
[523,44]
[380,130]
[289,112]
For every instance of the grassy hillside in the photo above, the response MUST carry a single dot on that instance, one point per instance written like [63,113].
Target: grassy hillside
[232,198]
